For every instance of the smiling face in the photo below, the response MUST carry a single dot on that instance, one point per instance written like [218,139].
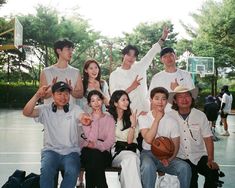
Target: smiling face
[92,70]
[61,98]
[159,101]
[183,100]
[169,59]
[96,102]
[122,103]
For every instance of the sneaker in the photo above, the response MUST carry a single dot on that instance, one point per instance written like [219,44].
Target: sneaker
[226,133]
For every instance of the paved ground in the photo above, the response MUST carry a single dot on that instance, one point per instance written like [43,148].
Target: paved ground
[21,141]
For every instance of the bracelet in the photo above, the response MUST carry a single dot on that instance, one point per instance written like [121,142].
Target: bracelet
[133,127]
[163,40]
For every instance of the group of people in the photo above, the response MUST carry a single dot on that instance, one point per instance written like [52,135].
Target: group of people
[86,126]
[221,104]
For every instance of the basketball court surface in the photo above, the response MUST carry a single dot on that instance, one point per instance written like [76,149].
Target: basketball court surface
[21,141]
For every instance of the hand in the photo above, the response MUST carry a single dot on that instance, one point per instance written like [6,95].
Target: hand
[91,144]
[54,80]
[136,82]
[174,84]
[212,165]
[133,119]
[165,162]
[165,32]
[43,91]
[158,115]
[69,83]
[86,119]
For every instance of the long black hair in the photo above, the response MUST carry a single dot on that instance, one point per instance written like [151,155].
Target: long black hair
[86,76]
[113,110]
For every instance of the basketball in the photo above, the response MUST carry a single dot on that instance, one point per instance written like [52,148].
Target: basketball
[162,147]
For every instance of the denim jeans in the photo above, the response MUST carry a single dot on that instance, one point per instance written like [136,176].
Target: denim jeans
[150,164]
[52,162]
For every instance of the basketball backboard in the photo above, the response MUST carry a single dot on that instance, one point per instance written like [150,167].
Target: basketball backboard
[200,65]
[13,36]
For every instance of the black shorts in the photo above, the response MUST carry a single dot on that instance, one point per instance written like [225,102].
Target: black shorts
[224,115]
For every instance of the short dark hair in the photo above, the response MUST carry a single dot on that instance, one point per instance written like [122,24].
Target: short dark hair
[159,90]
[94,92]
[129,47]
[61,43]
[166,50]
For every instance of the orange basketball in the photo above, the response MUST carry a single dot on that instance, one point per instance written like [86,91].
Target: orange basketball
[162,147]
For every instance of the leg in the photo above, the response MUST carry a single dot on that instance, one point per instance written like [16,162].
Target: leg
[95,163]
[71,166]
[224,120]
[130,174]
[194,179]
[180,169]
[49,168]
[211,176]
[148,169]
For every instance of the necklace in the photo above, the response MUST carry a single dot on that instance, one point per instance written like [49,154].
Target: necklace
[185,117]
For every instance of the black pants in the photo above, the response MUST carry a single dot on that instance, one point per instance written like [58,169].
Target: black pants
[94,161]
[211,176]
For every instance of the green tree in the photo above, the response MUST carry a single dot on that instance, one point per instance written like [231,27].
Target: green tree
[215,35]
[2,2]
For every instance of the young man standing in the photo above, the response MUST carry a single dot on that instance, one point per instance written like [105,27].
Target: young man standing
[62,71]
[226,105]
[131,76]
[196,143]
[61,148]
[171,76]
[154,124]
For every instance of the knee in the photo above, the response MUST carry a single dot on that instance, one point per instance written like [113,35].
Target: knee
[147,165]
[185,170]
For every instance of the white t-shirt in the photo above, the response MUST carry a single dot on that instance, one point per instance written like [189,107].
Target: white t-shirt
[227,99]
[167,127]
[121,79]
[192,145]
[69,73]
[164,79]
[61,130]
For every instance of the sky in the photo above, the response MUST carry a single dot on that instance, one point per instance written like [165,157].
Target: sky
[113,17]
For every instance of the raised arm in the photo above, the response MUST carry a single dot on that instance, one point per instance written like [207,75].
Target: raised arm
[156,48]
[29,109]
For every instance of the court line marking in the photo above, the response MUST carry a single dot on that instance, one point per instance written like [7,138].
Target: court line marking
[20,153]
[20,163]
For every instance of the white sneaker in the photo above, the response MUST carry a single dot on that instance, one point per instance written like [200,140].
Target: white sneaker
[226,133]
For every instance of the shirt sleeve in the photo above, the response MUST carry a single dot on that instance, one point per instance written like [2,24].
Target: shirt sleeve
[147,59]
[205,127]
[113,84]
[143,122]
[40,118]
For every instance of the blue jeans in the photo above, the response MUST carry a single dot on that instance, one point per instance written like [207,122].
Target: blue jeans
[52,162]
[150,164]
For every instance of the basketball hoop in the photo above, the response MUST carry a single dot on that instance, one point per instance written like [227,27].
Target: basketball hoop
[202,74]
